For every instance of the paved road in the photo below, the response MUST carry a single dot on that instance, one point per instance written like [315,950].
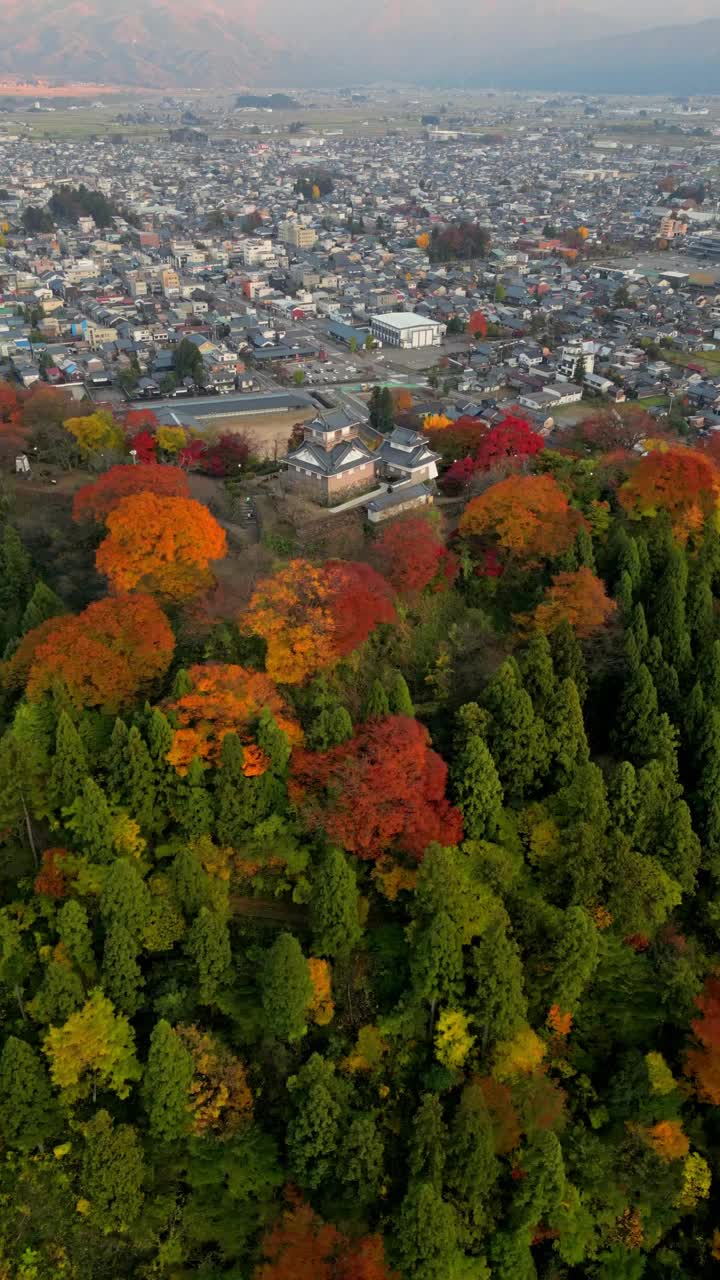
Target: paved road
[231,405]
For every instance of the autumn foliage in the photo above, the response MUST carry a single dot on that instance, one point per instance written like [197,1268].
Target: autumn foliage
[50,879]
[292,612]
[702,1061]
[477,325]
[508,444]
[383,789]
[220,1102]
[104,656]
[685,483]
[528,516]
[302,1247]
[411,556]
[359,599]
[96,500]
[161,545]
[580,597]
[225,698]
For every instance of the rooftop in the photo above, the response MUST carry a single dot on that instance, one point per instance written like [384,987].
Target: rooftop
[403,319]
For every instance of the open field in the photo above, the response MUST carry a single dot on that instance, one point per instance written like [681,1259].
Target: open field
[270,430]
[85,122]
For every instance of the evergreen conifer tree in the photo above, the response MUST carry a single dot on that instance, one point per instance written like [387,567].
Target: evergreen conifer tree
[399,699]
[166,1085]
[42,605]
[376,705]
[334,905]
[478,790]
[122,978]
[208,946]
[29,1114]
[89,818]
[70,764]
[286,988]
[192,803]
[568,658]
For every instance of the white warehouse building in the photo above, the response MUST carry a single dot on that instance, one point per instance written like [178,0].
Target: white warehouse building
[405,329]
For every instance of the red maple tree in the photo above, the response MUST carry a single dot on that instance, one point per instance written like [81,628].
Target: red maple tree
[96,500]
[359,600]
[145,445]
[383,789]
[477,325]
[509,443]
[104,655]
[411,556]
[229,454]
[702,1061]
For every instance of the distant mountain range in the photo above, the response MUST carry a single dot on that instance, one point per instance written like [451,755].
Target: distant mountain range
[232,44]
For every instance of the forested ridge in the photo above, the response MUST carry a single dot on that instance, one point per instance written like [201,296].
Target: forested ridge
[368,931]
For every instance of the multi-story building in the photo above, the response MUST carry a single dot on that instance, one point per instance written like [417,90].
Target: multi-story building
[405,329]
[295,234]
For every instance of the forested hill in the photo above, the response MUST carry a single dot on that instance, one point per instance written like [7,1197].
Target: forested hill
[359,917]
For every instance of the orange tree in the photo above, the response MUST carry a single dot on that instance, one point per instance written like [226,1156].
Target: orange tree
[105,655]
[529,517]
[224,698]
[685,483]
[161,545]
[292,611]
[579,597]
[382,790]
[95,501]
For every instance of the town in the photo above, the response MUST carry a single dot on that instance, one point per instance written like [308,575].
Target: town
[239,268]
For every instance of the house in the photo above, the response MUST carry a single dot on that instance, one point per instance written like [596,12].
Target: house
[332,462]
[405,455]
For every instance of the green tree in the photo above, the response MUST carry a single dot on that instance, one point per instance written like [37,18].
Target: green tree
[90,820]
[192,804]
[208,946]
[42,605]
[286,988]
[122,978]
[29,1114]
[516,737]
[190,882]
[166,1085]
[623,797]
[477,790]
[230,793]
[75,934]
[331,726]
[498,1000]
[334,905]
[472,1166]
[70,764]
[60,993]
[319,1100]
[125,900]
[113,1172]
[376,705]
[700,610]
[273,741]
[16,961]
[566,731]
[568,658]
[187,361]
[536,668]
[115,758]
[668,609]
[575,958]
[636,724]
[139,782]
[399,699]
[361,1157]
[426,1234]
[428,1142]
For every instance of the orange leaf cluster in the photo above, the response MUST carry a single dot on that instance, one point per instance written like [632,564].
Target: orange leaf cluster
[383,789]
[321,1008]
[95,501]
[667,1140]
[580,597]
[683,482]
[503,1116]
[161,545]
[411,556]
[16,670]
[702,1062]
[302,1247]
[559,1022]
[221,1102]
[292,611]
[50,879]
[529,516]
[225,698]
[105,655]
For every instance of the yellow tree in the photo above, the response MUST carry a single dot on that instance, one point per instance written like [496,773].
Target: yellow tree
[96,432]
[94,1049]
